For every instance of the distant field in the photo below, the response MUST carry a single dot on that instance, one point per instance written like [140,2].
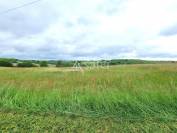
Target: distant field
[126,98]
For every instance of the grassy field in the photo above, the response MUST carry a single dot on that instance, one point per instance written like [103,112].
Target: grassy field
[126,98]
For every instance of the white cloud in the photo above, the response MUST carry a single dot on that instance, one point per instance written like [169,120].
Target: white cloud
[90,29]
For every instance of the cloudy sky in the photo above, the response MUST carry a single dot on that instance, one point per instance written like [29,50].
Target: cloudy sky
[89,29]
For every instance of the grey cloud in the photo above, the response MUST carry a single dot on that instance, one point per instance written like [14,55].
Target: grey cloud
[69,24]
[154,54]
[27,21]
[111,7]
[84,21]
[170,31]
[52,49]
[116,50]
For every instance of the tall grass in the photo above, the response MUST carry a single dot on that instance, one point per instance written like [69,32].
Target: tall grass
[124,92]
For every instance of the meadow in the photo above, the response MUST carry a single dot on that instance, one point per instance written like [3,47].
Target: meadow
[124,98]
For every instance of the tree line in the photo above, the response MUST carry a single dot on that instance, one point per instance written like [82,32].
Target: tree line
[10,62]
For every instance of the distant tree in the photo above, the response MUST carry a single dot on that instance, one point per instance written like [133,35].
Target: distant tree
[11,60]
[64,63]
[4,63]
[59,64]
[26,64]
[43,64]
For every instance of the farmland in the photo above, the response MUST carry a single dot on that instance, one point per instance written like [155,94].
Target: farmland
[124,98]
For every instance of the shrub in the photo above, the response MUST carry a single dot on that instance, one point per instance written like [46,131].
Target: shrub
[43,64]
[26,64]
[59,64]
[64,64]
[5,63]
[127,61]
[11,60]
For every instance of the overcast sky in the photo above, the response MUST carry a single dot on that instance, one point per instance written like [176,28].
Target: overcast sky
[89,29]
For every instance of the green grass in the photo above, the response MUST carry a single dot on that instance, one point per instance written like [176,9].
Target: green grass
[134,98]
[38,123]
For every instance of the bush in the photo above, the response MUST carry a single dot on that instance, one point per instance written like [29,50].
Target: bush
[26,64]
[127,61]
[11,60]
[43,64]
[64,64]
[5,63]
